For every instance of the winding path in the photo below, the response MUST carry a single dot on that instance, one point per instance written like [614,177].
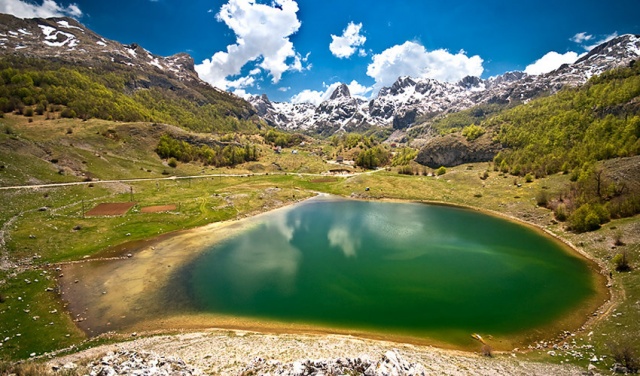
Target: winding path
[53,185]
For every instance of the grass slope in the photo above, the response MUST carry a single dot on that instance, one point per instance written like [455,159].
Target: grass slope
[99,149]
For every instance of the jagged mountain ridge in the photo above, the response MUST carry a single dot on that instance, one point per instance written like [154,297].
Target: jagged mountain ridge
[66,39]
[401,104]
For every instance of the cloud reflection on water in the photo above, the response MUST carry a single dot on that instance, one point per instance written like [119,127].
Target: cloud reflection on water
[267,259]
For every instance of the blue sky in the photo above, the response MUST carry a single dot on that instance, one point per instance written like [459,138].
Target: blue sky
[299,50]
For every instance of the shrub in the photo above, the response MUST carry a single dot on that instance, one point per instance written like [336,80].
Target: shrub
[617,238]
[173,163]
[561,212]
[542,198]
[441,171]
[28,111]
[528,178]
[472,132]
[626,357]
[68,113]
[588,217]
[405,170]
[622,262]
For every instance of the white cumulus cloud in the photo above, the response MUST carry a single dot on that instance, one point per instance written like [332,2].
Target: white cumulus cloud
[309,96]
[48,8]
[316,96]
[262,36]
[412,59]
[345,45]
[587,41]
[551,61]
[581,37]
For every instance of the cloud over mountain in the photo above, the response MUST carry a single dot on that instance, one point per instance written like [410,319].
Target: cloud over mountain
[316,96]
[262,36]
[412,59]
[551,61]
[345,45]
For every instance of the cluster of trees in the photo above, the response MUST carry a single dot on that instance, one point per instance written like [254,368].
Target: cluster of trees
[571,132]
[367,150]
[403,156]
[457,121]
[352,140]
[373,157]
[229,155]
[106,93]
[594,198]
[576,126]
[282,139]
[472,132]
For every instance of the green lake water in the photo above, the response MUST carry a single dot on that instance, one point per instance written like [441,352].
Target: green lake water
[392,268]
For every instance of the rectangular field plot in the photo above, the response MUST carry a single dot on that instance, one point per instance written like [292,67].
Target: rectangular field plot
[110,208]
[158,208]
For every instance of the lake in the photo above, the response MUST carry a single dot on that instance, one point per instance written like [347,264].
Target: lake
[404,269]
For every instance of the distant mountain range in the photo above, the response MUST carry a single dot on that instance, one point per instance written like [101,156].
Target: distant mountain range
[408,98]
[398,106]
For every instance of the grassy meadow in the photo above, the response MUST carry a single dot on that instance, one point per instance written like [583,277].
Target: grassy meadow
[47,225]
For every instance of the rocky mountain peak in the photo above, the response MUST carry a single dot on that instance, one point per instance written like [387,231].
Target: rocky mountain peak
[470,82]
[400,84]
[262,104]
[342,91]
[401,104]
[617,47]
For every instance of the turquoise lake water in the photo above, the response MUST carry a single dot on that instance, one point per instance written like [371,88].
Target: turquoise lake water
[396,268]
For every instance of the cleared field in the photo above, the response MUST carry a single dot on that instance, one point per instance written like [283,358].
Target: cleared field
[110,208]
[158,208]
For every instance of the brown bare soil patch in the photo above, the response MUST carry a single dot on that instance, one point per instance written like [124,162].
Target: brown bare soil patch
[158,208]
[111,208]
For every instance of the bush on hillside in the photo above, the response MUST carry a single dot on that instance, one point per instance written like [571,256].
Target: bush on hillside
[588,217]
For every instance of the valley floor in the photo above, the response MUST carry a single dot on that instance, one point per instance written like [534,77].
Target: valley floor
[46,226]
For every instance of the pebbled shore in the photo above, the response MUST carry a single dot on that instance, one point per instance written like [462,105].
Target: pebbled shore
[225,352]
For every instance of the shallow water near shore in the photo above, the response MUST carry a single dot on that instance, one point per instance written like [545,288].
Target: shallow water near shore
[405,271]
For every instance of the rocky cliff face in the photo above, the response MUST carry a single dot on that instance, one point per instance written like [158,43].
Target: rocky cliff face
[453,150]
[401,104]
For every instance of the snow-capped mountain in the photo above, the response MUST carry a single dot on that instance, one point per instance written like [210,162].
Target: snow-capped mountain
[68,40]
[402,103]
[399,106]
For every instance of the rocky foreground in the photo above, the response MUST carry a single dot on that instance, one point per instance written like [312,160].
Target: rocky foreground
[247,353]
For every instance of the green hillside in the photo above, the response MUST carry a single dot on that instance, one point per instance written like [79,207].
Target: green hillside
[112,92]
[562,132]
